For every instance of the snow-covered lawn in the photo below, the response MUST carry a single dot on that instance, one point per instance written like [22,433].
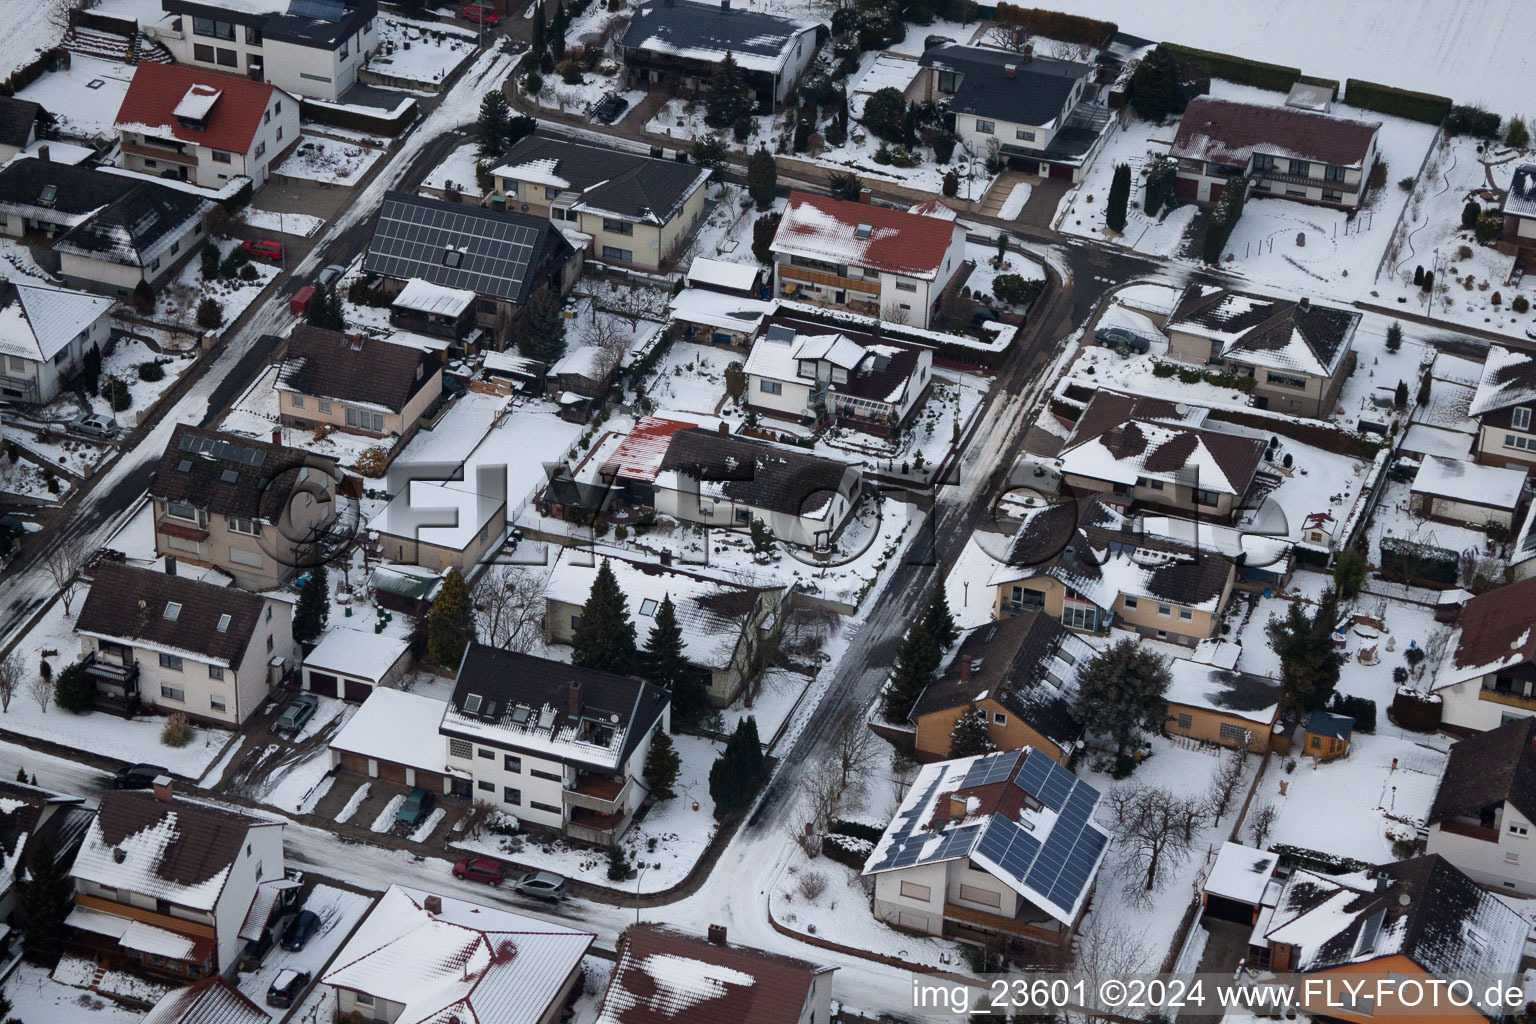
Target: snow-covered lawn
[1081,211]
[36,996]
[339,911]
[178,301]
[322,159]
[417,51]
[27,478]
[284,223]
[20,266]
[85,98]
[580,97]
[124,362]
[1394,517]
[459,170]
[986,271]
[689,378]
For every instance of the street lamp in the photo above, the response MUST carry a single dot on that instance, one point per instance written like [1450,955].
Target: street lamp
[638,877]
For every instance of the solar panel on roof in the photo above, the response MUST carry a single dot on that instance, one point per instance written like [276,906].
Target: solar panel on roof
[325,10]
[778,332]
[1045,780]
[990,769]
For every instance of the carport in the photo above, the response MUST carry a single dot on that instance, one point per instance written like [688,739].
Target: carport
[349,664]
[394,738]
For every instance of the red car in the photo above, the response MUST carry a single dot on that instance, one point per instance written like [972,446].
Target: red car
[480,14]
[263,249]
[481,869]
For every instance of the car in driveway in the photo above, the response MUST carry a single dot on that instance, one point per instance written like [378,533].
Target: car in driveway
[286,988]
[299,710]
[137,776]
[543,885]
[479,14]
[300,930]
[609,109]
[94,425]
[1122,340]
[415,808]
[480,869]
[329,275]
[263,249]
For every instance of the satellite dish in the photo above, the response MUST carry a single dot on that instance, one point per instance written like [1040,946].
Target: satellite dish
[1404,900]
[614,719]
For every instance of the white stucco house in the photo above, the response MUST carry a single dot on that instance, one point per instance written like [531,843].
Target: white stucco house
[838,377]
[44,336]
[1483,814]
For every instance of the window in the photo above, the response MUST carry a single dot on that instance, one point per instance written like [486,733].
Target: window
[202,52]
[213,29]
[1287,380]
[1235,733]
[172,611]
[249,527]
[546,776]
[1519,830]
[314,78]
[1131,603]
[343,54]
[221,157]
[1186,615]
[511,796]
[1521,418]
[362,998]
[486,787]
[250,559]
[1077,616]
[364,419]
[1023,135]
[485,752]
[986,127]
[998,718]
[986,897]
[1332,173]
[1164,610]
[216,703]
[269,644]
[1186,721]
[1332,197]
[511,763]
[618,227]
[621,255]
[298,401]
[1317,741]
[252,35]
[323,404]
[948,80]
[1210,499]
[177,510]
[575,621]
[228,58]
[172,692]
[216,672]
[1301,167]
[1511,857]
[770,387]
[906,286]
[546,808]
[914,891]
[461,748]
[648,606]
[261,147]
[1522,443]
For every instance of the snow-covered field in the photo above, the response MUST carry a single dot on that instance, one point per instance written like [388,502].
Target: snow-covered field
[458,169]
[321,159]
[1081,211]
[179,300]
[25,31]
[418,51]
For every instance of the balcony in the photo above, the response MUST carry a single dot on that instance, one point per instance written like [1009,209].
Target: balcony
[599,793]
[157,153]
[1307,180]
[1486,833]
[1513,700]
[594,827]
[1052,936]
[826,280]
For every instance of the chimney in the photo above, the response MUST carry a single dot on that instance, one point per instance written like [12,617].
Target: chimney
[717,934]
[170,565]
[1010,70]
[573,699]
[1028,53]
[965,668]
[163,788]
[43,154]
[277,435]
[432,904]
[666,556]
[866,195]
[119,855]
[725,5]
[1304,303]
[957,806]
[725,429]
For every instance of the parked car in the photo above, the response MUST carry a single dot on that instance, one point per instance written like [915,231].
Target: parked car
[415,808]
[137,776]
[329,275]
[94,425]
[1121,339]
[263,249]
[479,14]
[609,109]
[544,885]
[299,710]
[480,869]
[286,988]
[255,951]
[300,930]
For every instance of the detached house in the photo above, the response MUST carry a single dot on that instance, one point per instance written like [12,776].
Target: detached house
[357,384]
[1483,813]
[1488,675]
[1220,705]
[255,510]
[204,127]
[1520,212]
[558,746]
[845,378]
[1298,352]
[640,211]
[170,643]
[885,263]
[29,818]
[44,336]
[1502,407]
[996,846]
[165,884]
[1284,151]
[1041,112]
[18,125]
[675,46]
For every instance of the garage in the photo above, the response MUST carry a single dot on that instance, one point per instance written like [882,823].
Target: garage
[322,683]
[392,771]
[396,732]
[430,780]
[356,691]
[351,762]
[350,663]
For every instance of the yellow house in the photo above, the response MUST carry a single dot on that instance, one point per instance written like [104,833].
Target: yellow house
[1327,735]
[1021,671]
[639,211]
[1221,705]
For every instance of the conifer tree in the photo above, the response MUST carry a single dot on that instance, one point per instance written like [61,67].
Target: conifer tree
[939,621]
[762,177]
[451,622]
[491,128]
[1394,336]
[738,772]
[1309,662]
[916,662]
[1120,693]
[1119,198]
[728,96]
[604,638]
[43,901]
[557,30]
[540,37]
[662,766]
[664,664]
[314,607]
[541,331]
[970,735]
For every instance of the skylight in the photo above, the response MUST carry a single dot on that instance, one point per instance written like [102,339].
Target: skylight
[862,231]
[223,626]
[472,704]
[50,193]
[172,610]
[648,606]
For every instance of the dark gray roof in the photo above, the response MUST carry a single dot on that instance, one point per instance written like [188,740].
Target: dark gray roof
[128,603]
[207,840]
[1490,768]
[1326,723]
[758,474]
[1035,94]
[1259,323]
[330,364]
[76,190]
[134,228]
[622,184]
[16,120]
[708,30]
[227,475]
[501,255]
[305,22]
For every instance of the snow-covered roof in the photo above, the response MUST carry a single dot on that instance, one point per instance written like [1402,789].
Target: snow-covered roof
[37,322]
[862,235]
[1495,633]
[1260,330]
[715,309]
[1423,439]
[1260,551]
[213,1000]
[459,961]
[198,101]
[1520,200]
[1509,378]
[397,726]
[1493,486]
[736,277]
[1017,814]
[425,297]
[354,653]
[512,364]
[1228,132]
[756,40]
[584,361]
[889,70]
[1241,873]
[1254,698]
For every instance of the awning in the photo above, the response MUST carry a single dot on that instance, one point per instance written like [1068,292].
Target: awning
[96,921]
[146,938]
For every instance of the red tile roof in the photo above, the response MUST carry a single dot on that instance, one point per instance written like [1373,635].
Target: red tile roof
[1225,132]
[231,125]
[639,456]
[898,241]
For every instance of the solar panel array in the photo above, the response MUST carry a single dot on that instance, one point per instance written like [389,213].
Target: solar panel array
[778,332]
[1046,781]
[222,450]
[1009,846]
[1062,870]
[990,769]
[493,255]
[325,10]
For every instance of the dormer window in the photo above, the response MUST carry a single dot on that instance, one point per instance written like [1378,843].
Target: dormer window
[172,611]
[1520,419]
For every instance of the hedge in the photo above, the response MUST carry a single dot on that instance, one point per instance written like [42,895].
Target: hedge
[847,850]
[373,124]
[859,830]
[1361,709]
[1384,99]
[1411,711]
[31,72]
[1275,77]
[1411,561]
[1318,435]
[1328,863]
[1069,28]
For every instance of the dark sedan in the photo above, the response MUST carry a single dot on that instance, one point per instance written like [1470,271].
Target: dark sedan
[300,930]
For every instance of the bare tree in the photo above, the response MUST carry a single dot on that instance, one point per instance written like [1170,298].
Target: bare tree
[894,314]
[63,568]
[1229,778]
[40,690]
[509,605]
[903,774]
[611,343]
[1107,948]
[11,677]
[1154,829]
[1260,823]
[821,798]
[855,754]
[60,12]
[635,304]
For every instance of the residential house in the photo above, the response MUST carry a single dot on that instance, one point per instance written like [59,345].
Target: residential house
[1502,406]
[675,46]
[42,198]
[1412,920]
[838,378]
[558,746]
[204,127]
[1021,671]
[394,737]
[1488,674]
[1455,491]
[1519,235]
[667,974]
[351,663]
[729,620]
[723,480]
[181,645]
[164,884]
[502,257]
[308,48]
[1041,113]
[1298,353]
[1482,817]
[18,125]
[1088,567]
[709,316]
[356,384]
[420,957]
[1221,705]
[999,846]
[44,336]
[1128,451]
[33,820]
[1284,151]
[632,469]
[212,1000]
[887,263]
[640,211]
[744,280]
[435,310]
[256,510]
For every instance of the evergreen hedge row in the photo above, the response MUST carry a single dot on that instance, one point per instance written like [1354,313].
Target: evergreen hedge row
[1069,28]
[31,72]
[1275,77]
[1385,99]
[1413,561]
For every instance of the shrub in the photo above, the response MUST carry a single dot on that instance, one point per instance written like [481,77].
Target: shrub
[1363,711]
[1474,121]
[533,83]
[1164,370]
[1469,215]
[570,72]
[1071,28]
[248,272]
[115,391]
[73,690]
[1464,252]
[883,155]
[209,313]
[1490,224]
[1497,299]
[373,462]
[210,258]
[951,185]
[236,259]
[812,885]
[741,129]
[901,156]
[884,112]
[763,230]
[1521,304]
[1274,77]
[1190,376]
[1406,184]
[1414,561]
[151,371]
[177,731]
[835,133]
[845,849]
[1384,99]
[1013,289]
[943,147]
[1517,136]
[618,863]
